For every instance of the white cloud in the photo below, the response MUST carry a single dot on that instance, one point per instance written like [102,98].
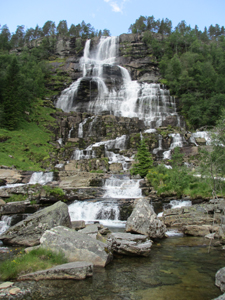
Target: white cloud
[115,6]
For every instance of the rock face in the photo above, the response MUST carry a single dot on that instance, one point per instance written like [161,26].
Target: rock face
[220,279]
[29,231]
[199,219]
[130,244]
[143,220]
[75,270]
[76,246]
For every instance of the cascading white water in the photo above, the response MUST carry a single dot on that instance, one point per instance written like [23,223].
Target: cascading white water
[148,102]
[106,211]
[118,143]
[200,134]
[5,223]
[122,188]
[103,211]
[41,178]
[176,142]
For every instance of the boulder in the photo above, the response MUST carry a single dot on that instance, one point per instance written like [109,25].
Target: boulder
[90,230]
[74,270]
[220,279]
[222,297]
[80,224]
[18,207]
[201,230]
[76,246]
[29,231]
[130,244]
[11,176]
[143,220]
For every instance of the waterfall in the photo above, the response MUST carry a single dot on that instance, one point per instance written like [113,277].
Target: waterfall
[200,134]
[149,102]
[41,178]
[5,223]
[176,142]
[106,210]
[103,211]
[122,188]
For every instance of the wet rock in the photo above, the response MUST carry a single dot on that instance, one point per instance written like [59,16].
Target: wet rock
[143,220]
[130,244]
[220,279]
[76,246]
[29,231]
[74,270]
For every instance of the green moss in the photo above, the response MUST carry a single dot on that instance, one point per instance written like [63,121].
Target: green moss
[16,198]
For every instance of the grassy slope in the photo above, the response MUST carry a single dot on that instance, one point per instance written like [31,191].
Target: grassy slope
[29,145]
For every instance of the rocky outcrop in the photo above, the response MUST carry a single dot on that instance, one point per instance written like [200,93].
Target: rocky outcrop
[76,246]
[220,279]
[199,219]
[130,244]
[11,176]
[143,220]
[29,231]
[75,270]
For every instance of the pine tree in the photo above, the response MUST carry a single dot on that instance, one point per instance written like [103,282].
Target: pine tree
[144,161]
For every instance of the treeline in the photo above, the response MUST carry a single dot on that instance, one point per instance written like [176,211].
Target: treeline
[192,64]
[22,81]
[21,37]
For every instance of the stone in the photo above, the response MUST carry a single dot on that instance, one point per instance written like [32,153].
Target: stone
[143,220]
[80,224]
[222,297]
[74,270]
[76,246]
[29,231]
[220,279]
[201,230]
[11,176]
[90,230]
[2,202]
[115,167]
[6,285]
[14,291]
[130,244]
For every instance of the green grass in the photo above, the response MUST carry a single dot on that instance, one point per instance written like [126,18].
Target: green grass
[28,146]
[16,198]
[37,259]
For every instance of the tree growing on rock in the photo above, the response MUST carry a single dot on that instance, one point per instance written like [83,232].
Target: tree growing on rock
[144,161]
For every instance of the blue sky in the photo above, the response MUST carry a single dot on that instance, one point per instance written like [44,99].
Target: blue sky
[115,15]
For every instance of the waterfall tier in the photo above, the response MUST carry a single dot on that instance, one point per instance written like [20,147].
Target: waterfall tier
[106,86]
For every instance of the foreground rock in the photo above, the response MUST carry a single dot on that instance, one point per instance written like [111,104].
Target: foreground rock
[29,231]
[143,220]
[76,246]
[130,244]
[220,279]
[75,270]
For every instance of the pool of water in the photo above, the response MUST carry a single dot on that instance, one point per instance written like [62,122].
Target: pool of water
[179,268]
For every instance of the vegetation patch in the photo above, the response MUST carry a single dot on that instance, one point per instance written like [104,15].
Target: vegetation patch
[35,260]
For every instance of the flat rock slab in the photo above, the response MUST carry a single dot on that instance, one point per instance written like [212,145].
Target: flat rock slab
[130,244]
[75,270]
[76,246]
[6,285]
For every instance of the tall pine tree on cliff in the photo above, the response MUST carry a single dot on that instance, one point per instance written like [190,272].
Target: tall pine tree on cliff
[144,161]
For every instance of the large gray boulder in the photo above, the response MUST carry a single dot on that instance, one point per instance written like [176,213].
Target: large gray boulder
[76,246]
[220,279]
[75,270]
[143,220]
[29,231]
[130,244]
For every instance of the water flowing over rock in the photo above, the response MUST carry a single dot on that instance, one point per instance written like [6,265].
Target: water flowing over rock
[143,220]
[130,244]
[29,231]
[76,246]
[106,86]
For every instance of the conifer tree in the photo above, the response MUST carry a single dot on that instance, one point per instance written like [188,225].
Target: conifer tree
[144,161]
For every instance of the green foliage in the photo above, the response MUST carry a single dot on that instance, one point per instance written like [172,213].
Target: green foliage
[144,160]
[56,191]
[37,259]
[16,198]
